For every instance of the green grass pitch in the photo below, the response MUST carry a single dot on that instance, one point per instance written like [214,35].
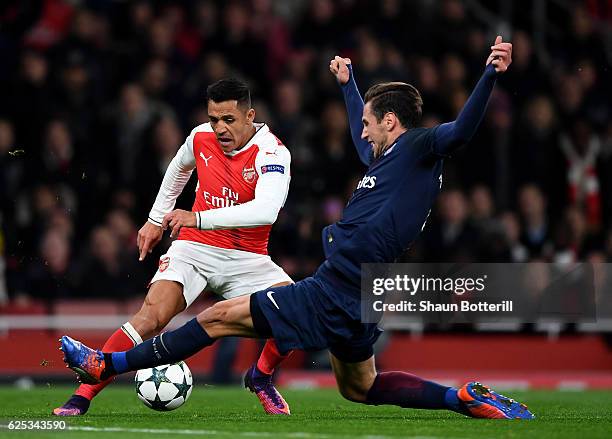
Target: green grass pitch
[235,413]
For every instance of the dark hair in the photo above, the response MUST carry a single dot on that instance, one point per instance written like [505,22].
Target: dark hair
[399,98]
[229,89]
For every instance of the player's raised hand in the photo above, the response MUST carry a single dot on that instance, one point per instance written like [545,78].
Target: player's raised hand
[501,55]
[339,67]
[177,219]
[148,237]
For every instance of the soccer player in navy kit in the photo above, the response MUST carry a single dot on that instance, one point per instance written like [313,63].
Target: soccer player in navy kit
[382,218]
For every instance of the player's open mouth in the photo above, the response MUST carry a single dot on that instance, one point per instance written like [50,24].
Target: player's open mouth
[224,141]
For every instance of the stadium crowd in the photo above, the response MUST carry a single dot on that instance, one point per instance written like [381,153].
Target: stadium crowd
[98,95]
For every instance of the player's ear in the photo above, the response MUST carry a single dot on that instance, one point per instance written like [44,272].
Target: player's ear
[250,115]
[390,121]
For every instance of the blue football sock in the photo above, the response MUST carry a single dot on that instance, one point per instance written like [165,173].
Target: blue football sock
[453,402]
[166,348]
[410,391]
[119,362]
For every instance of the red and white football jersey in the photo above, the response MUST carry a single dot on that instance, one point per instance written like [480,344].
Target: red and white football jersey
[245,188]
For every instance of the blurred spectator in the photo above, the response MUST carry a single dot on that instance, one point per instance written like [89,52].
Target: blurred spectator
[160,39]
[318,27]
[269,28]
[30,101]
[581,149]
[155,79]
[107,270]
[477,48]
[482,208]
[452,237]
[165,140]
[238,44]
[11,168]
[525,79]
[129,121]
[373,66]
[485,160]
[570,94]
[58,155]
[3,289]
[453,72]
[451,27]
[74,99]
[570,237]
[211,68]
[596,108]
[60,221]
[536,228]
[583,39]
[52,25]
[428,82]
[124,229]
[512,231]
[52,274]
[537,158]
[336,161]
[290,124]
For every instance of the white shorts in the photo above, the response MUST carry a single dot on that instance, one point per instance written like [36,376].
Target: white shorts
[226,272]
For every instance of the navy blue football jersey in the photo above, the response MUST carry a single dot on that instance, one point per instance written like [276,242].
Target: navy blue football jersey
[392,201]
[389,206]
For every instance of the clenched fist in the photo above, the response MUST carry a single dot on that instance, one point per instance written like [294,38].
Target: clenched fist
[501,55]
[339,67]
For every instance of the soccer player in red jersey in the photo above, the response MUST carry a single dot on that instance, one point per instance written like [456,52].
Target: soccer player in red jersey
[243,180]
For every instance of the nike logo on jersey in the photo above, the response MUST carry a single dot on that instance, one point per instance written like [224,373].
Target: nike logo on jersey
[271,153]
[205,159]
[269,294]
[367,182]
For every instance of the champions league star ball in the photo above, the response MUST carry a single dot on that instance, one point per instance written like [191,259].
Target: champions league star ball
[166,387]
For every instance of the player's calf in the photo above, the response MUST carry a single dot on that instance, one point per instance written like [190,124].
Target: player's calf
[353,392]
[354,374]
[410,391]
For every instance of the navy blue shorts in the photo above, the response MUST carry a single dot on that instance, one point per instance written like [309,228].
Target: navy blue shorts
[313,315]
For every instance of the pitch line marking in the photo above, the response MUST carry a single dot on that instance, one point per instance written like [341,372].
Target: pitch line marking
[297,434]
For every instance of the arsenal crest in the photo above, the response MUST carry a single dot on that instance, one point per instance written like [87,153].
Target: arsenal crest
[249,174]
[163,264]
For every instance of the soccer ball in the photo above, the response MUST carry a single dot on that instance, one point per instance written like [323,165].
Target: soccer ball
[166,387]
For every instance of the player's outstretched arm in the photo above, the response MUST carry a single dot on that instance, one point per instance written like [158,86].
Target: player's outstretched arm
[176,177]
[342,69]
[449,136]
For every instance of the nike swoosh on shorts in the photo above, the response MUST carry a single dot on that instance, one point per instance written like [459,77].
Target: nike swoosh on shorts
[269,294]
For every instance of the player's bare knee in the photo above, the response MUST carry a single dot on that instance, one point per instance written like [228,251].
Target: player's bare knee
[151,318]
[214,314]
[143,323]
